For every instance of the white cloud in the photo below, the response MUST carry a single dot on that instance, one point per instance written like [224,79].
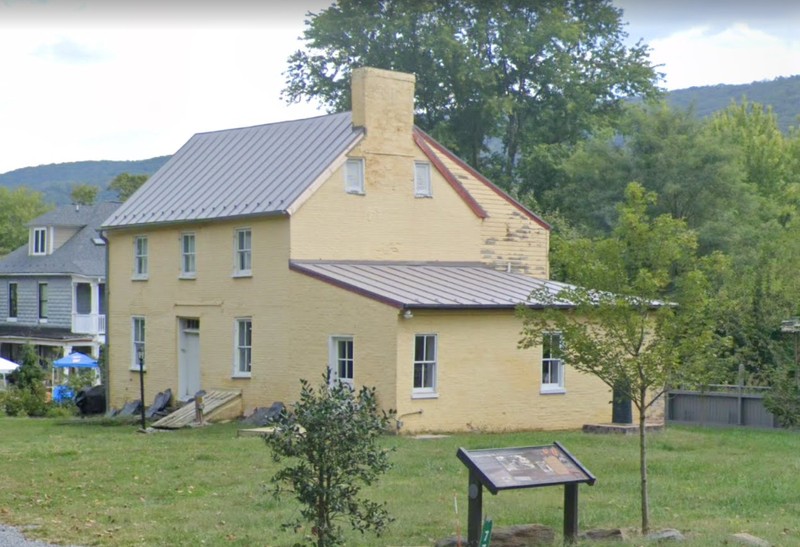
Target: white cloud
[736,55]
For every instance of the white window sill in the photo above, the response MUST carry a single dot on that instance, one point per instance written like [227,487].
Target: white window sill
[242,274]
[356,192]
[552,390]
[424,395]
[11,319]
[423,196]
[139,278]
[242,376]
[42,320]
[136,369]
[189,276]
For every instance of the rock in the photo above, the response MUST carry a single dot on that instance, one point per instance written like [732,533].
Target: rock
[521,535]
[747,539]
[602,534]
[670,534]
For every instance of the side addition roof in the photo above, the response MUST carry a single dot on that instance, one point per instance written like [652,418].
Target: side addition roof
[433,285]
[257,170]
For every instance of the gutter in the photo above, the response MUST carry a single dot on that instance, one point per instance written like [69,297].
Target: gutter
[106,352]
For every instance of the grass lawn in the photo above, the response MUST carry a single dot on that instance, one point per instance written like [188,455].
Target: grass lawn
[86,483]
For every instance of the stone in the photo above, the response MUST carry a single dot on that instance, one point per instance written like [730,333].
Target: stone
[520,535]
[670,534]
[603,534]
[747,539]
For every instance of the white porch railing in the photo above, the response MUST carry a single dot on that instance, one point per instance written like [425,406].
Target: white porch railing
[89,323]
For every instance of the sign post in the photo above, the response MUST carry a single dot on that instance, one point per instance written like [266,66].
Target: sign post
[525,467]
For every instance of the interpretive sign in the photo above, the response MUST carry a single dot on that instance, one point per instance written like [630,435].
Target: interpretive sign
[524,467]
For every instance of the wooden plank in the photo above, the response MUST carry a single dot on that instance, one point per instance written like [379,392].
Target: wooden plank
[185,416]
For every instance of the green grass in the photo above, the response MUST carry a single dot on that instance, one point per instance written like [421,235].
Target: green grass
[87,483]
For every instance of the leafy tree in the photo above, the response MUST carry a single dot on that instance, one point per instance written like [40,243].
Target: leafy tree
[17,208]
[84,194]
[630,334]
[332,440]
[522,78]
[126,184]
[27,395]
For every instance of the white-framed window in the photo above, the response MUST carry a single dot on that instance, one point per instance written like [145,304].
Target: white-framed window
[138,343]
[12,301]
[342,359]
[422,179]
[39,243]
[140,257]
[243,255]
[424,365]
[552,363]
[43,302]
[354,176]
[244,347]
[188,256]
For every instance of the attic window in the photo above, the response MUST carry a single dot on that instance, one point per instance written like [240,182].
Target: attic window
[39,241]
[422,179]
[354,176]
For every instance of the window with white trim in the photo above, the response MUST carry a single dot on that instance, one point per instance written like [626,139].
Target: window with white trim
[354,176]
[552,363]
[342,359]
[244,347]
[424,365]
[12,301]
[243,256]
[39,241]
[188,256]
[43,302]
[137,345]
[140,257]
[422,179]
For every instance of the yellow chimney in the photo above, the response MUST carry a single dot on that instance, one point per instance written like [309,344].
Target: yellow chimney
[383,103]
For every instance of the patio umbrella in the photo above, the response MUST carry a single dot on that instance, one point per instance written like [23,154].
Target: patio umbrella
[7,366]
[75,360]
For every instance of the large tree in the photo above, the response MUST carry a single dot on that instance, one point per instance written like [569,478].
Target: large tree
[17,208]
[126,184]
[648,327]
[507,84]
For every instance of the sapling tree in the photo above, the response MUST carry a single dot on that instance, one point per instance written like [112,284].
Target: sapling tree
[330,443]
[645,326]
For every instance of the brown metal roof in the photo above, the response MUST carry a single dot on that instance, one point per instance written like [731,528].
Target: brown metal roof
[430,285]
[256,170]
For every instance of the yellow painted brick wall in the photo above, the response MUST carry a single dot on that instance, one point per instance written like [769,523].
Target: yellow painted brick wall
[486,383]
[508,237]
[387,222]
[215,297]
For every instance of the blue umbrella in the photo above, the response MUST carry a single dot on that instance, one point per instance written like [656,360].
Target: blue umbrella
[76,360]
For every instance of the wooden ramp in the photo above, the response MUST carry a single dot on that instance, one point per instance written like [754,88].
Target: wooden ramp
[214,400]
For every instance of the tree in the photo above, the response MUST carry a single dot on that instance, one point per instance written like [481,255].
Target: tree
[126,184]
[500,82]
[644,325]
[332,438]
[27,396]
[17,208]
[84,194]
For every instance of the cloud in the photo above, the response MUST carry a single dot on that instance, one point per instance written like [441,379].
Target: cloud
[69,51]
[735,55]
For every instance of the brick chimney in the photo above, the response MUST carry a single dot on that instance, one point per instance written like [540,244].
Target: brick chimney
[383,103]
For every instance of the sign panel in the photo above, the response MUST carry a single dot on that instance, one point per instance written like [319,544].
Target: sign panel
[525,467]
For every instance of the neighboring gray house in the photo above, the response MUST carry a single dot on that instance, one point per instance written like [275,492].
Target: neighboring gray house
[52,289]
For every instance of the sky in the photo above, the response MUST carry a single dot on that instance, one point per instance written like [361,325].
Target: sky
[135,79]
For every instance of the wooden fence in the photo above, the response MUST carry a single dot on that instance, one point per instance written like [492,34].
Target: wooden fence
[720,405]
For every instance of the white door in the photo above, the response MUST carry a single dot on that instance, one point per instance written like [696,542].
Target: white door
[189,359]
[341,361]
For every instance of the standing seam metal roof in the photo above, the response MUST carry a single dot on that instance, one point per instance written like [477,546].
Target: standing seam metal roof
[240,172]
[431,285]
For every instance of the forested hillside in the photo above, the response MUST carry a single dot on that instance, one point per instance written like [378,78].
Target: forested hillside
[55,180]
[782,94]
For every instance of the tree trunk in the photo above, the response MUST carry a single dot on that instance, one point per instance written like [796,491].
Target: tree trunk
[643,462]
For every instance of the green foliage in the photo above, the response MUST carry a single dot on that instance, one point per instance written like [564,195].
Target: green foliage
[648,326]
[783,399]
[17,208]
[331,442]
[84,194]
[531,76]
[126,184]
[27,395]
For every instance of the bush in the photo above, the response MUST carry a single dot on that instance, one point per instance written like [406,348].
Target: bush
[331,442]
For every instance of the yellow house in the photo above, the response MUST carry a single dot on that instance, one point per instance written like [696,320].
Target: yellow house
[352,242]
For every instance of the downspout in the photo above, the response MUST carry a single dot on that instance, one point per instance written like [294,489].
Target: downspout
[105,374]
